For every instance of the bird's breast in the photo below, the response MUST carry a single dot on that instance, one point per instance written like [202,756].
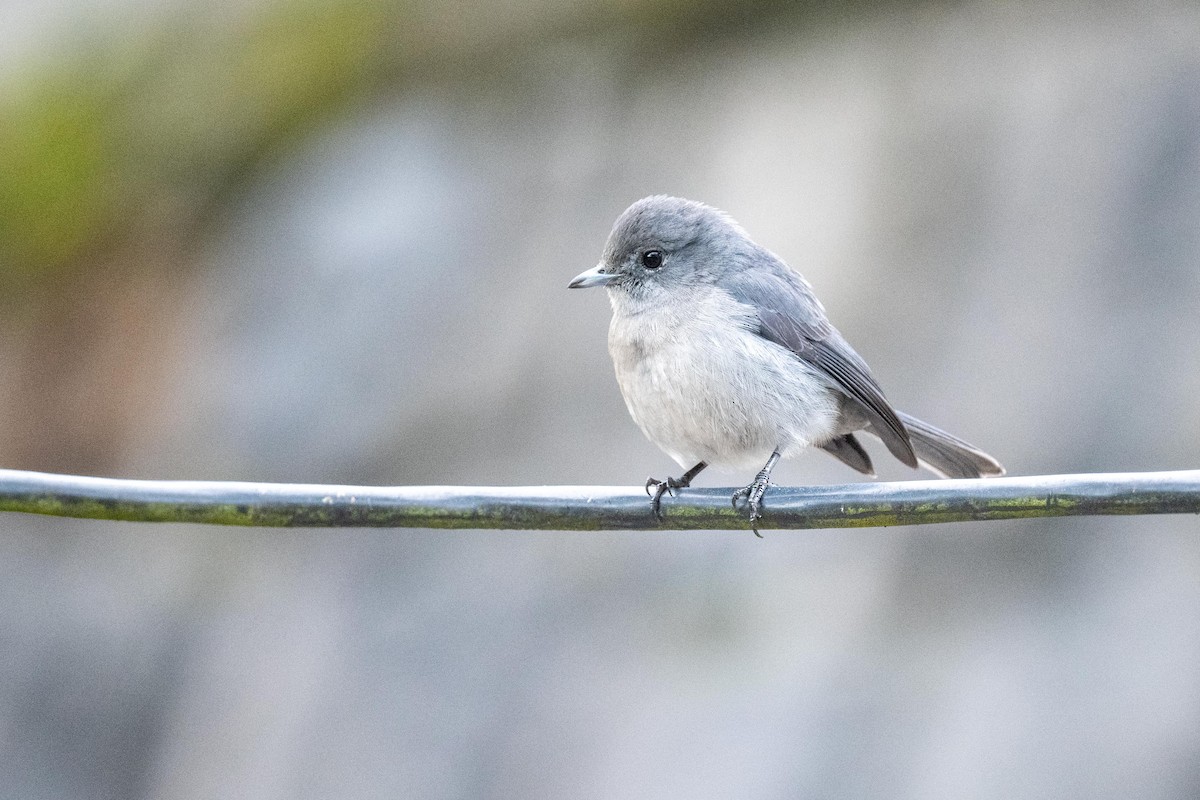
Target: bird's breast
[704,386]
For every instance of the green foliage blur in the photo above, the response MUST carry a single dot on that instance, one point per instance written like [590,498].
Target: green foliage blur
[140,132]
[141,136]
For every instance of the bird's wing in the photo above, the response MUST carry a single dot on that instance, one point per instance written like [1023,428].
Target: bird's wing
[790,315]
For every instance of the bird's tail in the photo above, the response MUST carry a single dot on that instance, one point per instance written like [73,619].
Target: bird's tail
[948,455]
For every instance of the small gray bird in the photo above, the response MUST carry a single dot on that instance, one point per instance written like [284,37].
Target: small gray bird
[724,356]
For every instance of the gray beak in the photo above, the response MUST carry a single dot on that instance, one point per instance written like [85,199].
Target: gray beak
[593,277]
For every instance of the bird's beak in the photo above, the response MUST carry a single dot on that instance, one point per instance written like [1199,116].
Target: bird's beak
[596,276]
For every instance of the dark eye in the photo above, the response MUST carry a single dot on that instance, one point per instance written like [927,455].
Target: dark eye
[652,259]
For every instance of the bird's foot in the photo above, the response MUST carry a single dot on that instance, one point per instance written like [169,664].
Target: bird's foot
[656,489]
[754,494]
[670,485]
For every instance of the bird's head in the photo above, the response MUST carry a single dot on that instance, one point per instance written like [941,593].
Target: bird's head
[662,247]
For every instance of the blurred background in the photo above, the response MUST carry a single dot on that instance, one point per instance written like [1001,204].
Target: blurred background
[315,241]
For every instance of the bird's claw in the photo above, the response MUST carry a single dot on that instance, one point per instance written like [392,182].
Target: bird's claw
[753,494]
[660,488]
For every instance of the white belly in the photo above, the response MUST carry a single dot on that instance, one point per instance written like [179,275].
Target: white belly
[705,388]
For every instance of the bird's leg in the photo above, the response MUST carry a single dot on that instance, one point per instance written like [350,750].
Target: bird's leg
[670,485]
[755,491]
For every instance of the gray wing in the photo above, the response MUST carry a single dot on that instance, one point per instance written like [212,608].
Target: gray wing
[790,315]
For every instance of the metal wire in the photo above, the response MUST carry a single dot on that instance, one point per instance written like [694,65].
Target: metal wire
[595,507]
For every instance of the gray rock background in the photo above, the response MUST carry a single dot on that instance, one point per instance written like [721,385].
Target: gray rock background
[999,205]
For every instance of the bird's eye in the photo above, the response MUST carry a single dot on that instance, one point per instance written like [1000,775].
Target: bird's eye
[652,259]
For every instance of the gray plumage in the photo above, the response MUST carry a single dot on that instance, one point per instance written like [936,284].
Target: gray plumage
[725,356]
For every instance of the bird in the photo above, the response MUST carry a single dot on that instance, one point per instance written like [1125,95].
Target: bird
[725,356]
